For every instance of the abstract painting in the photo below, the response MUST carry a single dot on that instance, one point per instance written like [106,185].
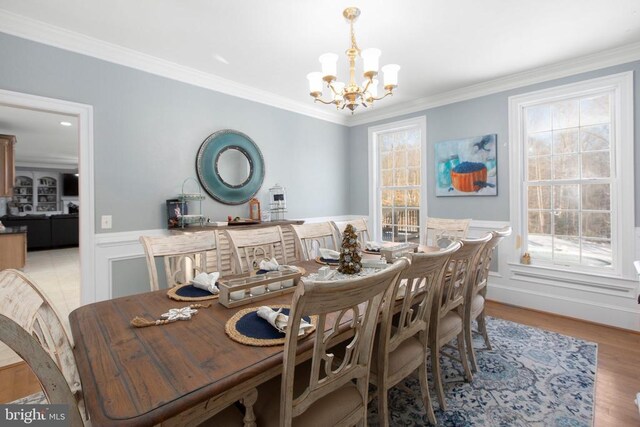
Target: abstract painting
[467,166]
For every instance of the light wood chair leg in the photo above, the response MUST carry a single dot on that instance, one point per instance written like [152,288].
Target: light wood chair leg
[463,357]
[383,405]
[470,351]
[482,327]
[437,377]
[248,401]
[424,386]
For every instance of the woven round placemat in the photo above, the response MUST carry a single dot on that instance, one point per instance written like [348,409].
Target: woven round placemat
[189,292]
[248,319]
[323,261]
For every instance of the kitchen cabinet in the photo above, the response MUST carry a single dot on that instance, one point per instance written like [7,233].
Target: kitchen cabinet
[7,163]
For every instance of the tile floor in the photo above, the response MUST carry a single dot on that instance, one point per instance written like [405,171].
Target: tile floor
[57,272]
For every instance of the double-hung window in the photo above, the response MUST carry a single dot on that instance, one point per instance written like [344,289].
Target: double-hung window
[397,185]
[572,190]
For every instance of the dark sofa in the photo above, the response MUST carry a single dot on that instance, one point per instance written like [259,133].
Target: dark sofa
[46,232]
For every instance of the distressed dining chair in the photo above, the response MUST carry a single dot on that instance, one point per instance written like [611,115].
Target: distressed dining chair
[250,246]
[447,314]
[442,231]
[401,346]
[476,293]
[310,237]
[30,326]
[359,224]
[184,256]
[328,390]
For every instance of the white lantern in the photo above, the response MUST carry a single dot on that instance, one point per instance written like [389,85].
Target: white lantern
[315,82]
[391,75]
[370,59]
[329,63]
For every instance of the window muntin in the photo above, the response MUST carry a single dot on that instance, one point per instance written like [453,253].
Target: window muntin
[399,154]
[568,180]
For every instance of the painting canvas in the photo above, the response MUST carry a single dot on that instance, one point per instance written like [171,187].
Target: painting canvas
[467,167]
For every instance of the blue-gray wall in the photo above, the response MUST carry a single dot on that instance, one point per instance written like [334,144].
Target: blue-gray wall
[479,116]
[147,130]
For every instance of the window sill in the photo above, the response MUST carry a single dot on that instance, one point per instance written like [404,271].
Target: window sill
[609,283]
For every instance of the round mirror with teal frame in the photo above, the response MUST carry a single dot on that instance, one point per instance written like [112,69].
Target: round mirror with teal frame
[208,167]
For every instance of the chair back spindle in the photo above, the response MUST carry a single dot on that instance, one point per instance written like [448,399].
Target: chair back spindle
[310,237]
[184,256]
[442,231]
[249,247]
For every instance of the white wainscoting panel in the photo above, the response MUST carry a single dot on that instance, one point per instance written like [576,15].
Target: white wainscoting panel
[112,247]
[596,298]
[601,299]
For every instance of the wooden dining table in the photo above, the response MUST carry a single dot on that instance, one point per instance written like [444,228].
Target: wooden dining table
[145,376]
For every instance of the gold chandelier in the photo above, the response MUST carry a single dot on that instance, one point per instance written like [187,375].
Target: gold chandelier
[351,95]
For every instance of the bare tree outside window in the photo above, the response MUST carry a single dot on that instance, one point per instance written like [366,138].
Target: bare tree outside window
[568,180]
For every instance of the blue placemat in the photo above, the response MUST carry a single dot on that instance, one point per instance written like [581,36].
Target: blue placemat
[189,293]
[321,260]
[246,327]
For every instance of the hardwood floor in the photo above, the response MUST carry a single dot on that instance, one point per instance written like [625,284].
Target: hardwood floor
[17,381]
[617,378]
[618,370]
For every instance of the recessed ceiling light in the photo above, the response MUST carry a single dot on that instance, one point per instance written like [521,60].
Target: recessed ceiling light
[65,123]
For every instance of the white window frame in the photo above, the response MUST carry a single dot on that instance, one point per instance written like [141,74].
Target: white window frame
[622,187]
[375,207]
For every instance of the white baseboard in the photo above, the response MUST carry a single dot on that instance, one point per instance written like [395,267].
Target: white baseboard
[579,308]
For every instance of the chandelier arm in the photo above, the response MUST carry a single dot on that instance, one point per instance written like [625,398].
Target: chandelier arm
[333,90]
[318,99]
[381,97]
[369,81]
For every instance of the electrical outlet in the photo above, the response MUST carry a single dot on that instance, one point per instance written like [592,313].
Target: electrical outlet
[106,222]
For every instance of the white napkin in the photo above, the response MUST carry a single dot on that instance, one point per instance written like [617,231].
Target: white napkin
[329,254]
[269,264]
[207,282]
[372,246]
[279,320]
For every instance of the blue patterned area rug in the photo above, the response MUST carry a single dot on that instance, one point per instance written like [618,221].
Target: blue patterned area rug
[530,378]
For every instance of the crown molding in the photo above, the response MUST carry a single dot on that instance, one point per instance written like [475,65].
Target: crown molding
[603,59]
[47,162]
[41,32]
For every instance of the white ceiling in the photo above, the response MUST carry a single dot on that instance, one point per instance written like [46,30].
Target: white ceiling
[441,46]
[42,140]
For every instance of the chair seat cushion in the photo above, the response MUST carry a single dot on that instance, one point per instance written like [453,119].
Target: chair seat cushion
[327,411]
[477,305]
[450,326]
[409,352]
